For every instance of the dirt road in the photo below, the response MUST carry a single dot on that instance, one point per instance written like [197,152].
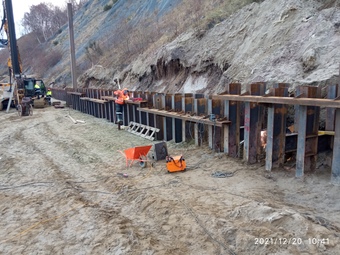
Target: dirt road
[62,192]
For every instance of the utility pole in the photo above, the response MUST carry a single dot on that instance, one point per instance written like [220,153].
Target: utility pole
[14,67]
[73,55]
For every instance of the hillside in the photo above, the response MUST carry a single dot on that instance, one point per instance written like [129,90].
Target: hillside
[78,190]
[201,50]
[275,41]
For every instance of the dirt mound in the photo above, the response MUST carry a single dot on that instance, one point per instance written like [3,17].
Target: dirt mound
[65,188]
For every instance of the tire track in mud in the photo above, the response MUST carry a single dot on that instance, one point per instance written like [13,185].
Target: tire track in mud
[132,214]
[28,139]
[68,187]
[61,178]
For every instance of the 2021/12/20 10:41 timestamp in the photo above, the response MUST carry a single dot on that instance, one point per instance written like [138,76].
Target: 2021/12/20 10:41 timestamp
[290,241]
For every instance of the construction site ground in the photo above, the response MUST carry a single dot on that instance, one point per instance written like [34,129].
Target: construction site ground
[65,189]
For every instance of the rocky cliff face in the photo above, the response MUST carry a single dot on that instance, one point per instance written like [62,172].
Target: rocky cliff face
[291,41]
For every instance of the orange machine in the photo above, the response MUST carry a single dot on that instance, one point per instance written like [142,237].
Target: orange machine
[175,164]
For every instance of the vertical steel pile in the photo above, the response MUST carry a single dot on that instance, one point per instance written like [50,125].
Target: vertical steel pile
[225,124]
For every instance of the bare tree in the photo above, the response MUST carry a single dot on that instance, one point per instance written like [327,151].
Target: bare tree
[38,20]
[44,20]
[59,17]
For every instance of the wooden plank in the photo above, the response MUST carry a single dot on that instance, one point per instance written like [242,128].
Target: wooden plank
[99,101]
[76,93]
[282,100]
[185,117]
[108,98]
[138,103]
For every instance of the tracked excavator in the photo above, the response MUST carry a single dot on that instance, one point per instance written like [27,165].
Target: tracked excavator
[19,91]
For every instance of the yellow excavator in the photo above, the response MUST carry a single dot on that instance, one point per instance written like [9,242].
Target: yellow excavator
[19,91]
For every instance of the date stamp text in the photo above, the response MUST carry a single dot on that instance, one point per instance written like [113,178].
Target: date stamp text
[290,241]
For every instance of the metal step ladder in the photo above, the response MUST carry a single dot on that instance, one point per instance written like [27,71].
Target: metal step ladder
[142,130]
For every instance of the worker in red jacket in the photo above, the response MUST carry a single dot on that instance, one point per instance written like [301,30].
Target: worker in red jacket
[122,95]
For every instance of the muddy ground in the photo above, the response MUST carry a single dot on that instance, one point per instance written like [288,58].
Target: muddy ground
[62,192]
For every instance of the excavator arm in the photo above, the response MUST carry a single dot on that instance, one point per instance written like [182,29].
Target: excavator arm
[19,87]
[15,91]
[14,64]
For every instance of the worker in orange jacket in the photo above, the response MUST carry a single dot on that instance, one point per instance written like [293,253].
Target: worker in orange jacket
[122,95]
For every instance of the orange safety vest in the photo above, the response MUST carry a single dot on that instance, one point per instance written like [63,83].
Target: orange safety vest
[120,97]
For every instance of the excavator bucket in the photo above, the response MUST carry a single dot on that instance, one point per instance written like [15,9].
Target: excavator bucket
[39,103]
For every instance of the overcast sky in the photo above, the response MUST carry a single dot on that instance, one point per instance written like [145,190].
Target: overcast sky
[22,6]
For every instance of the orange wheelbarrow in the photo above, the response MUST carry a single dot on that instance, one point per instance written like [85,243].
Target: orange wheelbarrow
[138,153]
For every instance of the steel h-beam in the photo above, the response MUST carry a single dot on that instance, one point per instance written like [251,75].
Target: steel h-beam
[307,120]
[184,138]
[158,120]
[210,128]
[276,129]
[231,133]
[130,117]
[165,127]
[214,132]
[176,104]
[252,124]
[12,39]
[200,105]
[167,120]
[330,120]
[335,178]
[217,131]
[187,106]
[301,147]
[72,47]
[149,99]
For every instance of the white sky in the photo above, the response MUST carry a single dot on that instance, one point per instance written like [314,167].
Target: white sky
[22,6]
